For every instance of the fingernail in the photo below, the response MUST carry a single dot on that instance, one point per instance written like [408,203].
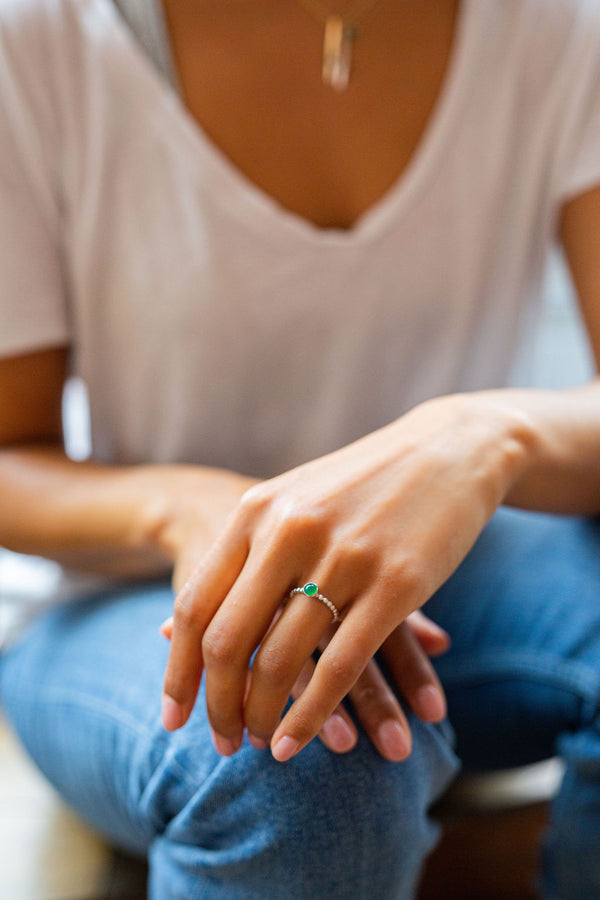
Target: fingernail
[338,734]
[285,748]
[393,740]
[166,625]
[430,703]
[172,713]
[224,745]
[445,643]
[257,742]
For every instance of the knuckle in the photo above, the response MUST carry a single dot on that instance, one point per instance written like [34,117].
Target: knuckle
[184,610]
[341,670]
[357,557]
[252,503]
[366,695]
[299,526]
[255,497]
[406,578]
[219,647]
[303,521]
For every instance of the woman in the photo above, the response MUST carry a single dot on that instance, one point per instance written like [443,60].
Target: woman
[310,260]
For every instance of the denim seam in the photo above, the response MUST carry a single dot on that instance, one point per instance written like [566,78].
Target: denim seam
[566,674]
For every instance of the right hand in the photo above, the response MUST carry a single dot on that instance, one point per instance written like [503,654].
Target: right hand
[405,654]
[374,699]
[197,504]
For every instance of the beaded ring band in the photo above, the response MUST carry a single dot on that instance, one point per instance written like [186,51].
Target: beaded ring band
[310,589]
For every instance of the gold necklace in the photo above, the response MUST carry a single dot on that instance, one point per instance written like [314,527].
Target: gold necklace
[340,33]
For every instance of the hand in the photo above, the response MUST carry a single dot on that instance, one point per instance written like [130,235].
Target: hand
[188,509]
[374,700]
[379,525]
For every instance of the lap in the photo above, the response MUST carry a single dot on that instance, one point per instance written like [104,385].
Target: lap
[84,685]
[83,690]
[523,612]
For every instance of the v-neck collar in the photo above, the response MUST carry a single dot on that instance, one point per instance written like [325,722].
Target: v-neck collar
[263,210]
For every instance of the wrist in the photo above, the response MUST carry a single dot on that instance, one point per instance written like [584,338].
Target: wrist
[507,433]
[160,493]
[183,503]
[493,435]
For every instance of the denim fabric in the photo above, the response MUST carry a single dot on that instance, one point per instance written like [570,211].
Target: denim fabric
[82,689]
[523,675]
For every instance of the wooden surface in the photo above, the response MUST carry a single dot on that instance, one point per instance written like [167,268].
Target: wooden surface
[491,856]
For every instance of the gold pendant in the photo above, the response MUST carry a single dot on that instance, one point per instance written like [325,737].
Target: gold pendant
[337,53]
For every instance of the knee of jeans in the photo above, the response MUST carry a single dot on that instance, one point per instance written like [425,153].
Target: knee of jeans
[323,825]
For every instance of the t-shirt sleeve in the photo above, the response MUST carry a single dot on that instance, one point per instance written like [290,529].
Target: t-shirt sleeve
[579,168]
[33,312]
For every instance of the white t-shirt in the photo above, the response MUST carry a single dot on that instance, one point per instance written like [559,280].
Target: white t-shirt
[213,326]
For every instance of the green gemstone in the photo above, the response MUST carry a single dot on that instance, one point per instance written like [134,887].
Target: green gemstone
[310,589]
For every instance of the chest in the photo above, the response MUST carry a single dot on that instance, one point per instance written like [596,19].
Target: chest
[250,75]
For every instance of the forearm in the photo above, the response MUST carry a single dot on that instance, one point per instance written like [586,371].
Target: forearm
[113,520]
[560,431]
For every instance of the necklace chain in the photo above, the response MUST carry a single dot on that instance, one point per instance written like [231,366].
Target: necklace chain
[341,30]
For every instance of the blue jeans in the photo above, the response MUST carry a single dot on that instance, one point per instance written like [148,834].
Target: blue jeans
[83,685]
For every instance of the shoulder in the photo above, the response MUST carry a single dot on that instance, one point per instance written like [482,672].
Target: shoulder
[560,25]
[48,46]
[28,16]
[28,28]
[548,27]
[553,14]
[570,32]
[32,23]
[549,47]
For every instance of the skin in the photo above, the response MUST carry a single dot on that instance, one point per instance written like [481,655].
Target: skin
[143,521]
[432,479]
[266,108]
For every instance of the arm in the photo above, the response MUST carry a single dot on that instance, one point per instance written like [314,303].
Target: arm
[141,521]
[432,480]
[122,521]
[562,474]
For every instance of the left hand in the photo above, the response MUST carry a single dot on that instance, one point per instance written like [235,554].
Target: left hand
[378,525]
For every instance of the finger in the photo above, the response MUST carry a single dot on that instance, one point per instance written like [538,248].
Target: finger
[339,732]
[281,657]
[376,706]
[166,629]
[240,624]
[380,714]
[433,639]
[194,608]
[411,671]
[356,641]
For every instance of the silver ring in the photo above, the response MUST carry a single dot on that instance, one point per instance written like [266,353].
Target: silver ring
[310,589]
